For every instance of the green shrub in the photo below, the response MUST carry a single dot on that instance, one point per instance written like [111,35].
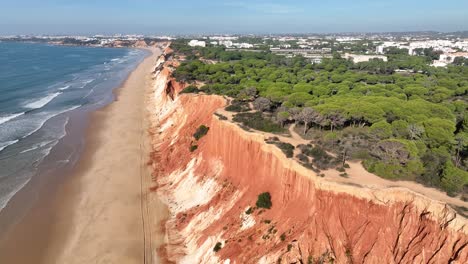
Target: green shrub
[264,200]
[303,158]
[287,148]
[201,131]
[234,108]
[221,117]
[238,106]
[453,179]
[249,211]
[381,130]
[390,170]
[321,159]
[217,247]
[190,89]
[283,237]
[193,148]
[256,121]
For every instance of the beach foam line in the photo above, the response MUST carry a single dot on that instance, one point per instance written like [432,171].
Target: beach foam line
[65,88]
[86,82]
[4,119]
[39,145]
[5,199]
[52,116]
[43,101]
[3,145]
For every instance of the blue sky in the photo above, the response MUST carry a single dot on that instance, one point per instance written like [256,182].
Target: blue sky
[228,16]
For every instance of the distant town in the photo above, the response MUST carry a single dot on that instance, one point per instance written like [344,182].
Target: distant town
[443,48]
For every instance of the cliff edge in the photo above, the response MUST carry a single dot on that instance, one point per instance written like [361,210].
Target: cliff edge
[211,186]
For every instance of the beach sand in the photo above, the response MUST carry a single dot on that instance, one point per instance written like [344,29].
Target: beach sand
[95,216]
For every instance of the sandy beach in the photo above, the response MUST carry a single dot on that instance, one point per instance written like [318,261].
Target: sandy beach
[96,215]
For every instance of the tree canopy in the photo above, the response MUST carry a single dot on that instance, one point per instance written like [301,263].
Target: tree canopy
[415,115]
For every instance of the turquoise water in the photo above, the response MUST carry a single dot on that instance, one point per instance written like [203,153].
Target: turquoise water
[41,86]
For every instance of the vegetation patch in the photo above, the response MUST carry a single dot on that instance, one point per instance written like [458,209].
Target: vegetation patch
[221,117]
[201,131]
[410,125]
[217,247]
[257,122]
[190,89]
[283,237]
[193,148]
[264,200]
[287,148]
[238,106]
[321,159]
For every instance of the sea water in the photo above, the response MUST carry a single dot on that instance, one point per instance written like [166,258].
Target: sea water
[41,86]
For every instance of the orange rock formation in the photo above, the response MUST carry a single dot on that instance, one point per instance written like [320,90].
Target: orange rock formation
[208,192]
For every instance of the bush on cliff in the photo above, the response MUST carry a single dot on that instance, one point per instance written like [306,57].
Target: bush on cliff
[217,247]
[193,148]
[264,200]
[256,121]
[238,106]
[190,89]
[220,116]
[288,149]
[201,131]
[321,159]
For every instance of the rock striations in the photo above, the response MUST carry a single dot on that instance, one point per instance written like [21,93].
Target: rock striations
[211,194]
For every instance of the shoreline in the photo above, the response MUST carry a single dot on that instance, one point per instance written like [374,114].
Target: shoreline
[74,216]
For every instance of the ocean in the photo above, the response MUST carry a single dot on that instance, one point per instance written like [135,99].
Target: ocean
[42,88]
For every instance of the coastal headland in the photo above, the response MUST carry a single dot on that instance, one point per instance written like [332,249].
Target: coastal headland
[215,183]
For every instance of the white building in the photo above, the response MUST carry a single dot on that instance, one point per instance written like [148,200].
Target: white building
[448,58]
[463,45]
[356,58]
[223,38]
[226,43]
[387,44]
[245,46]
[197,43]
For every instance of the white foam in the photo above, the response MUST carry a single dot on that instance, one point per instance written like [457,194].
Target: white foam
[5,199]
[4,119]
[3,145]
[51,116]
[89,93]
[36,146]
[43,101]
[65,88]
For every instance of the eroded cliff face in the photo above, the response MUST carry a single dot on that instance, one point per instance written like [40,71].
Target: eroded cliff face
[208,192]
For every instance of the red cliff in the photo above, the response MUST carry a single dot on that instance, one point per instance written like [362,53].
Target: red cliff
[209,190]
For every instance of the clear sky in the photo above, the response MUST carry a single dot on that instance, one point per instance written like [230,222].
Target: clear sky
[229,16]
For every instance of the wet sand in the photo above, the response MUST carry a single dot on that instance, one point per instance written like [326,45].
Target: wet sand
[95,214]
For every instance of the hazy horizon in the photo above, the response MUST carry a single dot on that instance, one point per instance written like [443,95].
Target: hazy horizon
[230,17]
